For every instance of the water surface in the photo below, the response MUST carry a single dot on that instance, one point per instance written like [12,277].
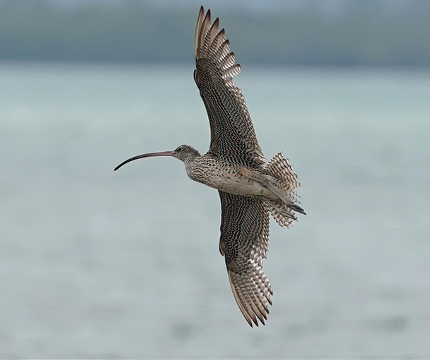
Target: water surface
[101,264]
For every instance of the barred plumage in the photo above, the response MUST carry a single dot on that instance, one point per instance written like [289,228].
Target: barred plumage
[244,242]
[234,165]
[232,134]
[281,169]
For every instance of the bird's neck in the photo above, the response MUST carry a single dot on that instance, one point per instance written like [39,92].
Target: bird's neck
[190,161]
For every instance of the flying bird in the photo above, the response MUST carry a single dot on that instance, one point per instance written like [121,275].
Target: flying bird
[248,188]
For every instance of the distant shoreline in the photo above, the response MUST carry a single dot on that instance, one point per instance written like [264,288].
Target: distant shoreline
[142,33]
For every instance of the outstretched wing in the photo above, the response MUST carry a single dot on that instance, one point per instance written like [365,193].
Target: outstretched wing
[244,242]
[232,134]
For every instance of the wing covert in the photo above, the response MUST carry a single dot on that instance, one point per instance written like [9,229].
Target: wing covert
[232,133]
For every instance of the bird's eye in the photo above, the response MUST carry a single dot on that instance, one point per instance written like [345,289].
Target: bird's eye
[179,149]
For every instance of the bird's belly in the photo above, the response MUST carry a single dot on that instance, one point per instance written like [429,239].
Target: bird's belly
[233,181]
[239,186]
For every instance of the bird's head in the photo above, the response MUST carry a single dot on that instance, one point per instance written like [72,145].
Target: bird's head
[184,153]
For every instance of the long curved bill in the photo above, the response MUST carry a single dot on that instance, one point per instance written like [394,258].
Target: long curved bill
[163,153]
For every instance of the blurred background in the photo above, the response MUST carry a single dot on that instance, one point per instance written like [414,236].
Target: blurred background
[332,33]
[97,264]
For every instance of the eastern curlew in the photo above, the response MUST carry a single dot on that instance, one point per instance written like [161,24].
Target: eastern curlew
[234,165]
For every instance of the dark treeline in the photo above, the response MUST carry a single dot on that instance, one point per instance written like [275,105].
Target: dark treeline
[138,32]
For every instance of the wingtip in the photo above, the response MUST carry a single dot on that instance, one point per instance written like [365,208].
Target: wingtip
[201,12]
[203,24]
[253,313]
[200,17]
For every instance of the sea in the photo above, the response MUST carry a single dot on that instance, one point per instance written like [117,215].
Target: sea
[102,264]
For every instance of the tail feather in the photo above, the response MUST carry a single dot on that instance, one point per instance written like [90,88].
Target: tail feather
[281,169]
[283,211]
[282,214]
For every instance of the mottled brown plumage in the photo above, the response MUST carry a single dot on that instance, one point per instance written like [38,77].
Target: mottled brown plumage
[232,134]
[234,165]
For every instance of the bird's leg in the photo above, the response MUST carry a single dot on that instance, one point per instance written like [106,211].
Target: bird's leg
[266,184]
